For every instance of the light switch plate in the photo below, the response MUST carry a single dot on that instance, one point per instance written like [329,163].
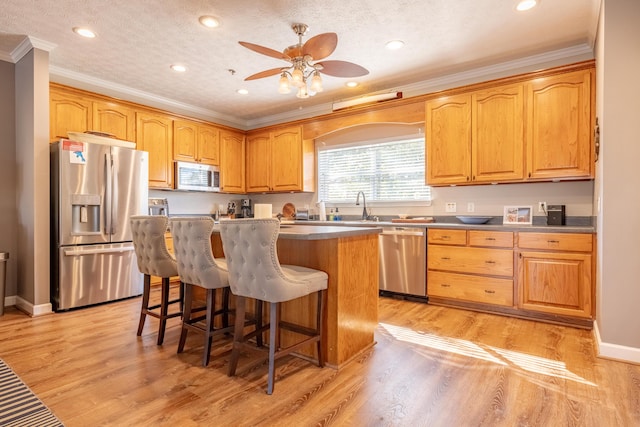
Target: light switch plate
[450,207]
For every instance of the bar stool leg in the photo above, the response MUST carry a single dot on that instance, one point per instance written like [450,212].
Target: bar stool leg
[319,318]
[186,316]
[164,309]
[238,335]
[145,302]
[274,342]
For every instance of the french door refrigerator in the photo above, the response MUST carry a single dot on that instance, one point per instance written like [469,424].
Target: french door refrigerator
[95,188]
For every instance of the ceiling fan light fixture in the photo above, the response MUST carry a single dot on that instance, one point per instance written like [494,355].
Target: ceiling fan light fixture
[351,84]
[302,92]
[297,76]
[283,86]
[316,82]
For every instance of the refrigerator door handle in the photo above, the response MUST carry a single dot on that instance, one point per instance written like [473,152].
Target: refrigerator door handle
[114,195]
[80,252]
[107,194]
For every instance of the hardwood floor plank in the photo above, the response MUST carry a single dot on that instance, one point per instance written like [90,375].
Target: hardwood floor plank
[431,366]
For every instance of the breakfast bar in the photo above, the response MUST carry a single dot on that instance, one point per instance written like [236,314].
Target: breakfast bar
[349,255]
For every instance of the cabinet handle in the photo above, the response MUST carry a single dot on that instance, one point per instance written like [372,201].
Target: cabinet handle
[489,262]
[445,258]
[490,238]
[553,241]
[445,237]
[444,285]
[487,291]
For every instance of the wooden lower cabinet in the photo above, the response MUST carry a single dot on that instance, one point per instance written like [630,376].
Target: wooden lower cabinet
[470,265]
[555,273]
[550,278]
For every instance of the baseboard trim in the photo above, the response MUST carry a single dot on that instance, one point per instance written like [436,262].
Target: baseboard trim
[31,309]
[615,351]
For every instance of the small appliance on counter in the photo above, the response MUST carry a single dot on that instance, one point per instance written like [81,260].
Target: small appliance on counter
[302,214]
[246,208]
[555,215]
[158,207]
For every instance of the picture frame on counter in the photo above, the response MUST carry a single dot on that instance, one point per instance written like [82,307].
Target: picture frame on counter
[518,215]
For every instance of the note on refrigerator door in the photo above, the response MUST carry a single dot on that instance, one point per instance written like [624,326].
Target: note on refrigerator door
[76,151]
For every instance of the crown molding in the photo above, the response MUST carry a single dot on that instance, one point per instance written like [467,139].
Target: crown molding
[549,59]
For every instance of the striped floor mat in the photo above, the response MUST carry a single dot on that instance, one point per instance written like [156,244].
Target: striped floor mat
[19,406]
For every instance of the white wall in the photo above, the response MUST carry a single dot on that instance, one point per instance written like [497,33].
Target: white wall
[618,318]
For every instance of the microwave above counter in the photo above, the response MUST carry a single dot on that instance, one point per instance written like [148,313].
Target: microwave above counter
[197,177]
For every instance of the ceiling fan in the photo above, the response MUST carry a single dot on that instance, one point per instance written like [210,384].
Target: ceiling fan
[302,59]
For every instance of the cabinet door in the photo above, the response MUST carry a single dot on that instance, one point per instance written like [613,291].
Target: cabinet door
[68,113]
[448,140]
[559,126]
[555,282]
[114,119]
[185,136]
[154,134]
[259,162]
[208,147]
[286,159]
[497,149]
[232,154]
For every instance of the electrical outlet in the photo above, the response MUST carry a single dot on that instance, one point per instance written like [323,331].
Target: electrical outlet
[471,207]
[450,207]
[542,207]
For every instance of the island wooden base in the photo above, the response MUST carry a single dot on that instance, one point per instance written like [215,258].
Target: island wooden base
[352,293]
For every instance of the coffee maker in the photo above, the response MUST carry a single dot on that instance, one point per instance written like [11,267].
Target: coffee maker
[246,208]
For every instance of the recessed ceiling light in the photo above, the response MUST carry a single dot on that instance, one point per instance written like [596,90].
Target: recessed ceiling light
[526,5]
[178,68]
[84,32]
[243,91]
[209,21]
[394,44]
[351,84]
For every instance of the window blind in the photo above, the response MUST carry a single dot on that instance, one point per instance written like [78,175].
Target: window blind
[386,172]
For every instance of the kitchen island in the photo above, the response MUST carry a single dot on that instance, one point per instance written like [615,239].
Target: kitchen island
[349,255]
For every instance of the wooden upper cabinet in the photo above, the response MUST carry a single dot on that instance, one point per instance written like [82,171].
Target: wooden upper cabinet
[497,124]
[286,159]
[115,119]
[448,140]
[232,155]
[68,112]
[154,133]
[193,142]
[185,135]
[280,160]
[209,145]
[559,143]
[259,162]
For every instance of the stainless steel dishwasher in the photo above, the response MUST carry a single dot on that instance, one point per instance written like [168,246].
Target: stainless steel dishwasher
[403,261]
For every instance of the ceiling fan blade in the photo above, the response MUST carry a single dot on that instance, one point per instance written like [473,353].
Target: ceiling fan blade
[265,51]
[342,69]
[320,46]
[265,73]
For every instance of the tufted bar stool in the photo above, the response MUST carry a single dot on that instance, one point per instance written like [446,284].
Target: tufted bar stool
[154,259]
[255,272]
[198,267]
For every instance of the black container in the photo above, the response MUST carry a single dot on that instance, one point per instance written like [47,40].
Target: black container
[555,215]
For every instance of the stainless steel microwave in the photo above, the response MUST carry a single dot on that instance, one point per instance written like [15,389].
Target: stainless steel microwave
[197,177]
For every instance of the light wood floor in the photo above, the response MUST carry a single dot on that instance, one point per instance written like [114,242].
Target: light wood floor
[431,366]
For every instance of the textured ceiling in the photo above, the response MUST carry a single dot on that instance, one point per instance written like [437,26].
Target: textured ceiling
[138,40]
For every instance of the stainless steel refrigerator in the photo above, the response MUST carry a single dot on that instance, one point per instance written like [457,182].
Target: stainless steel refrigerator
[95,188]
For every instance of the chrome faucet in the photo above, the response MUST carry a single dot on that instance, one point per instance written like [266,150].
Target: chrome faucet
[365,214]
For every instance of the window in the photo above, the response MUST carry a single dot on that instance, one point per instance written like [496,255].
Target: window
[385,171]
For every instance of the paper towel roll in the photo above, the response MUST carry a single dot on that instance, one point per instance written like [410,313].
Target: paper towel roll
[262,210]
[322,211]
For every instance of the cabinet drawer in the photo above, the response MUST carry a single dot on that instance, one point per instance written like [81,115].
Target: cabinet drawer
[447,237]
[492,239]
[493,262]
[556,241]
[470,288]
